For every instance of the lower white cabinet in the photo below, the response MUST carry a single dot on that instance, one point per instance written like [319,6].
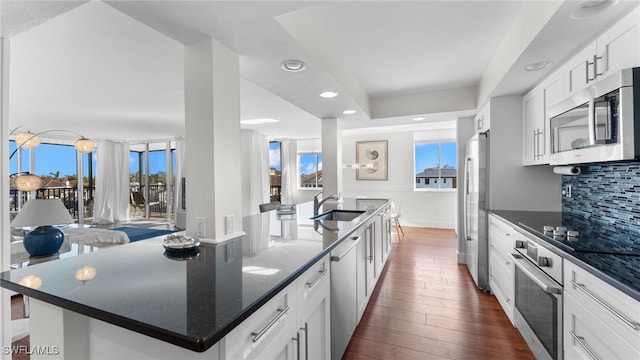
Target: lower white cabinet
[294,324]
[314,326]
[255,336]
[600,322]
[502,239]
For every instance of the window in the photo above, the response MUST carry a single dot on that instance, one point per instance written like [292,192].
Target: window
[310,166]
[435,165]
[275,170]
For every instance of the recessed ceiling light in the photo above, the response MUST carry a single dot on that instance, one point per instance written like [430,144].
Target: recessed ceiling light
[537,66]
[329,94]
[349,112]
[592,8]
[258,121]
[293,65]
[418,118]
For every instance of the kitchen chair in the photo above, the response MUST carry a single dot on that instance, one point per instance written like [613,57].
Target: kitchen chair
[395,216]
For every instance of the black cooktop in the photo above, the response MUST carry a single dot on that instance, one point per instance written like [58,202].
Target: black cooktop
[591,238]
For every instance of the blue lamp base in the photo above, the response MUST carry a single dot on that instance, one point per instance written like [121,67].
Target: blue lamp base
[43,241]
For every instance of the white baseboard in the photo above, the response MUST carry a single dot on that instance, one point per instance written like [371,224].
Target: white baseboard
[427,224]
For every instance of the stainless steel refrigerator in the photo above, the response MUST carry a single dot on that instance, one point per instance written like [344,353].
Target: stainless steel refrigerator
[476,192]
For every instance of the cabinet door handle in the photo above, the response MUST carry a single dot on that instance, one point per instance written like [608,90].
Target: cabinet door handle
[583,288]
[297,340]
[339,257]
[535,144]
[259,334]
[306,340]
[313,283]
[583,345]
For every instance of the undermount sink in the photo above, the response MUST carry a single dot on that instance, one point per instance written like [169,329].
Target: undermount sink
[339,215]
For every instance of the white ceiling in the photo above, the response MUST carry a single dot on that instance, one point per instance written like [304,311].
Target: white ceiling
[114,69]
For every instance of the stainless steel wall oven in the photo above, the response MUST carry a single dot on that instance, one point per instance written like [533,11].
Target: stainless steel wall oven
[538,298]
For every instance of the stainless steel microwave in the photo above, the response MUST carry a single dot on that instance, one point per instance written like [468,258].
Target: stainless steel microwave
[599,123]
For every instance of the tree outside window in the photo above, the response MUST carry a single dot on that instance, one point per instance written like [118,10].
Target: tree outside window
[435,165]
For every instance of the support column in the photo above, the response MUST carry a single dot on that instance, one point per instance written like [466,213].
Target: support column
[5,251]
[331,156]
[212,128]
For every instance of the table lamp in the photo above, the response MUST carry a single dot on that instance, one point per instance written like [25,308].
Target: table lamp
[45,239]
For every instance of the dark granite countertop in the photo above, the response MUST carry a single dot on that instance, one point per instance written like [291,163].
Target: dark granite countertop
[620,271]
[192,302]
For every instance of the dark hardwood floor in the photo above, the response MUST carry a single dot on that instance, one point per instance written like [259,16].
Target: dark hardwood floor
[426,306]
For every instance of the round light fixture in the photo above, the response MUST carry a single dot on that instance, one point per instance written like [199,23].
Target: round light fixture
[293,65]
[85,145]
[328,94]
[27,182]
[537,66]
[419,118]
[592,8]
[27,140]
[349,112]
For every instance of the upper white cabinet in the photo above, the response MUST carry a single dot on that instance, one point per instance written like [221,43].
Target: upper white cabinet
[534,144]
[535,108]
[618,48]
[482,119]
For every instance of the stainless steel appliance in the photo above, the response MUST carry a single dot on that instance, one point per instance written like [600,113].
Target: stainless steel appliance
[476,205]
[538,299]
[344,307]
[599,123]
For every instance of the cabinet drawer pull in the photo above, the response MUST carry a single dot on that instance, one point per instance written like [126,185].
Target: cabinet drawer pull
[306,340]
[311,284]
[583,345]
[583,288]
[339,257]
[258,335]
[297,340]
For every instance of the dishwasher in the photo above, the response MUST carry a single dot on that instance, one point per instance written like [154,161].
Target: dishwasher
[344,307]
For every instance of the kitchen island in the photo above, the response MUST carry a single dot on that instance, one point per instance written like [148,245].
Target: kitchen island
[192,301]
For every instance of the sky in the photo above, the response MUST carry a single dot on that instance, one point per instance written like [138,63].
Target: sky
[427,155]
[53,158]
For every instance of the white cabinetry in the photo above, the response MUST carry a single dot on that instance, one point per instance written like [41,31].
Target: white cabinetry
[502,238]
[535,107]
[614,50]
[365,271]
[482,119]
[534,144]
[314,312]
[269,330]
[600,322]
[293,324]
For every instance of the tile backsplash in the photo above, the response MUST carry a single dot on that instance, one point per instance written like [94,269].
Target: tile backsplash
[607,195]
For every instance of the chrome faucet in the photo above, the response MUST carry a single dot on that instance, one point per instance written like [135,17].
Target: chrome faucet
[317,204]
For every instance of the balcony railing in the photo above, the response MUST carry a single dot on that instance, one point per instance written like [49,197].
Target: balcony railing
[69,197]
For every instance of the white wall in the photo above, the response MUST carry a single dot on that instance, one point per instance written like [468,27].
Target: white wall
[420,208]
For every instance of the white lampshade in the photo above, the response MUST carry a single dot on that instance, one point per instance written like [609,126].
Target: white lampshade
[27,182]
[40,212]
[27,140]
[85,145]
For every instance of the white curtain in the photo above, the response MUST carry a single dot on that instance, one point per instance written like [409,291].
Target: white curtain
[287,151]
[179,171]
[259,163]
[112,182]
[259,193]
